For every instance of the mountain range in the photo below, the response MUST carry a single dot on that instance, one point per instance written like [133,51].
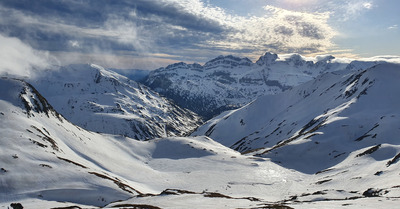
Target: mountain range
[229,82]
[324,121]
[304,134]
[48,162]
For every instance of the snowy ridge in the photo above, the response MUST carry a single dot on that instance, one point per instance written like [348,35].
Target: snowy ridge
[104,101]
[48,162]
[229,82]
[339,127]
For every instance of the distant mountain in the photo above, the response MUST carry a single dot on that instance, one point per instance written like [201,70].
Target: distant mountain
[133,74]
[103,101]
[336,120]
[229,82]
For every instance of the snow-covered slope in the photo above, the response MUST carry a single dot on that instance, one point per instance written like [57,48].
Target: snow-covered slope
[340,119]
[104,101]
[229,82]
[47,162]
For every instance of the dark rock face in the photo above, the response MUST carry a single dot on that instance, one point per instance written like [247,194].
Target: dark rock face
[267,59]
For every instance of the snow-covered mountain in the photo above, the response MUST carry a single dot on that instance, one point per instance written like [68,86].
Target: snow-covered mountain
[337,123]
[103,101]
[47,162]
[229,82]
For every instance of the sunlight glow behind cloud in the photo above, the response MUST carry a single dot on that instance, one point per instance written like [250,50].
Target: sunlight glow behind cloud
[278,30]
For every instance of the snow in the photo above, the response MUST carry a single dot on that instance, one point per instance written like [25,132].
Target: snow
[229,82]
[101,100]
[47,161]
[324,124]
[70,168]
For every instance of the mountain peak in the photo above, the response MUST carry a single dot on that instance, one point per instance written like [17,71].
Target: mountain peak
[24,95]
[228,61]
[177,65]
[296,60]
[101,100]
[267,59]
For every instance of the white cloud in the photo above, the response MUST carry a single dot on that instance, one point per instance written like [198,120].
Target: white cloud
[354,9]
[74,43]
[127,32]
[287,31]
[393,27]
[367,5]
[383,58]
[18,59]
[278,30]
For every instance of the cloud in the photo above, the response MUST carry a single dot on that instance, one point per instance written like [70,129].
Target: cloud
[74,43]
[186,29]
[283,30]
[127,32]
[367,5]
[287,31]
[349,10]
[393,27]
[333,59]
[18,59]
[383,58]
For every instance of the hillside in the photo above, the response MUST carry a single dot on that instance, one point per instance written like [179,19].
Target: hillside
[100,100]
[229,82]
[336,119]
[48,162]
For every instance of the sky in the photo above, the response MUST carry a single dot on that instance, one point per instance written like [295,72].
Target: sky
[147,34]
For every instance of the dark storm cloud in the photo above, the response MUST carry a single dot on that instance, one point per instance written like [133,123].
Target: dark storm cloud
[309,30]
[306,29]
[175,15]
[51,25]
[73,12]
[188,30]
[283,30]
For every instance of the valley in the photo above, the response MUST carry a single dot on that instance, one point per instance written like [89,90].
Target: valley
[87,137]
